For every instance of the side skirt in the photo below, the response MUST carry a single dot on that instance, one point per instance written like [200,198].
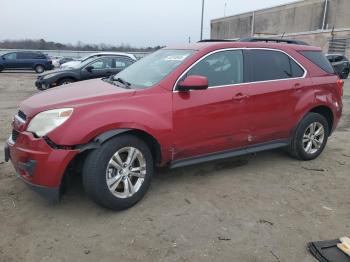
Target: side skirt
[228,153]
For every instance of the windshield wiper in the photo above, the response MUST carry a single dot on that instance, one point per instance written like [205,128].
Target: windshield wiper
[111,80]
[120,80]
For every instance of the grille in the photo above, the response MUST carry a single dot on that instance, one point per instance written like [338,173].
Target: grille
[22,115]
[14,135]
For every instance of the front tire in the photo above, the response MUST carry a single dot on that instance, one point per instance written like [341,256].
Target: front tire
[65,81]
[310,137]
[118,173]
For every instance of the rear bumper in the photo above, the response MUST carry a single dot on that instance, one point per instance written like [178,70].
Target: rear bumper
[37,164]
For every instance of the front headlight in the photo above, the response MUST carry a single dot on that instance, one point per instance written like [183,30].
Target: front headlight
[47,121]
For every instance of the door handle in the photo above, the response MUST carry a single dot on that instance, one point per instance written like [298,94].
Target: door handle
[239,97]
[297,86]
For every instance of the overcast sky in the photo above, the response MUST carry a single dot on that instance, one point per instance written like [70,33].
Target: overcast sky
[135,22]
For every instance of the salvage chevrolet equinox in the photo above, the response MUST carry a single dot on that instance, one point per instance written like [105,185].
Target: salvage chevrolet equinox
[178,106]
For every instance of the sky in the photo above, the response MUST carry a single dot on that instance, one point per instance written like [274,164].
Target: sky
[139,23]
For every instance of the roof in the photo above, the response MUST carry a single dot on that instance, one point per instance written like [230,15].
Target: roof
[114,53]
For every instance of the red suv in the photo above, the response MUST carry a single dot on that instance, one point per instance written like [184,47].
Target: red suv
[179,106]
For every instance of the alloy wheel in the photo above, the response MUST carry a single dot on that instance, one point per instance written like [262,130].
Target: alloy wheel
[126,172]
[313,138]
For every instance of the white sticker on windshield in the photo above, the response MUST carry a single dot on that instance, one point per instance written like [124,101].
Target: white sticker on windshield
[175,57]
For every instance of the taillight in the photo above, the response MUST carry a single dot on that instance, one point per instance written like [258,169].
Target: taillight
[340,84]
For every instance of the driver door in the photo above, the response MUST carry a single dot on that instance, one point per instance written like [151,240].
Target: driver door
[101,67]
[211,120]
[10,60]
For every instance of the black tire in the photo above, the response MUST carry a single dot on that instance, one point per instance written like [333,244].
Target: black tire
[65,81]
[95,172]
[345,74]
[296,146]
[1,68]
[39,69]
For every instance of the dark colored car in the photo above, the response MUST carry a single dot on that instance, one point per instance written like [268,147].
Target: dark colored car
[340,64]
[95,67]
[178,106]
[25,60]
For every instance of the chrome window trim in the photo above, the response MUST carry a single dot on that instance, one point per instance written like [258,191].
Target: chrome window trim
[244,83]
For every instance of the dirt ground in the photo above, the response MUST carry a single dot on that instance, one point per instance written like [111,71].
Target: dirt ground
[263,207]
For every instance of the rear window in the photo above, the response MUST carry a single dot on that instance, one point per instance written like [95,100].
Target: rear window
[318,59]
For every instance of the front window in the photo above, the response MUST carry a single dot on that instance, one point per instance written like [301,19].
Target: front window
[10,56]
[221,68]
[153,68]
[102,63]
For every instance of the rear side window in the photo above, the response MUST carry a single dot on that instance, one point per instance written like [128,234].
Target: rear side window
[318,59]
[265,65]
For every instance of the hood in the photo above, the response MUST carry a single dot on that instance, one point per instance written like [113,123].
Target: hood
[74,95]
[55,71]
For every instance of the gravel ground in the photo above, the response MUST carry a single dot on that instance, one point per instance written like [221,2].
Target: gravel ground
[263,207]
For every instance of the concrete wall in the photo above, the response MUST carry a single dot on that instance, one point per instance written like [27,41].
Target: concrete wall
[300,16]
[321,38]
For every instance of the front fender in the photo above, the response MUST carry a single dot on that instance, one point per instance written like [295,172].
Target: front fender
[151,114]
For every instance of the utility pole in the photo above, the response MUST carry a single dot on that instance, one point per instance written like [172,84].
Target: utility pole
[225,9]
[202,20]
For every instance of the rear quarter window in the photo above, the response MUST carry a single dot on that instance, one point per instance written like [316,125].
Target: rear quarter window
[318,59]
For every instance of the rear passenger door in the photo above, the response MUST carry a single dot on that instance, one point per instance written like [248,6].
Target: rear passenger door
[25,60]
[275,79]
[120,63]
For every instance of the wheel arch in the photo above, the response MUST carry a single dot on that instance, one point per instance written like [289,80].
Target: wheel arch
[150,140]
[327,113]
[38,64]
[66,77]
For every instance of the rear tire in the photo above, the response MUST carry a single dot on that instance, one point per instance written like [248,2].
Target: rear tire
[111,180]
[65,81]
[309,138]
[1,68]
[39,69]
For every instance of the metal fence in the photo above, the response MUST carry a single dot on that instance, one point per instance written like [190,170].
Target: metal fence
[69,53]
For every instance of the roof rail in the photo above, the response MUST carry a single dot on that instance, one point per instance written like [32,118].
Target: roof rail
[216,40]
[276,40]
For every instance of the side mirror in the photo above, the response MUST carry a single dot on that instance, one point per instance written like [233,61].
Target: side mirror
[89,68]
[194,82]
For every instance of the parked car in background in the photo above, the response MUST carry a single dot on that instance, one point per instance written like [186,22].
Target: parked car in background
[340,64]
[73,63]
[94,67]
[178,106]
[25,60]
[65,60]
[56,60]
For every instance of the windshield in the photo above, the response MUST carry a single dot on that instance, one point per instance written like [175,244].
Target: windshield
[153,68]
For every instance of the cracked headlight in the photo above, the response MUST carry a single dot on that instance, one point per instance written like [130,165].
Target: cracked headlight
[47,121]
